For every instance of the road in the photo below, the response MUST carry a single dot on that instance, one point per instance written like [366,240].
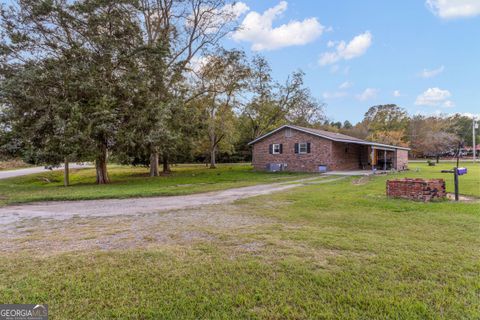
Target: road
[5,174]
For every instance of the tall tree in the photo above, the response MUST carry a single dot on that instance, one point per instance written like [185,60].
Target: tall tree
[221,78]
[386,124]
[41,116]
[461,126]
[438,143]
[272,104]
[96,39]
[177,33]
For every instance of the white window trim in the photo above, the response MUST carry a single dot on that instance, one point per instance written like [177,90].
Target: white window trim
[273,148]
[300,147]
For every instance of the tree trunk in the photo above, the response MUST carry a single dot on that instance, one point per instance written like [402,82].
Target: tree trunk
[438,158]
[212,158]
[66,174]
[101,167]
[154,164]
[166,166]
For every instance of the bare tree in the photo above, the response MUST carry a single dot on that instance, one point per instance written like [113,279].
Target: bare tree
[438,143]
[182,31]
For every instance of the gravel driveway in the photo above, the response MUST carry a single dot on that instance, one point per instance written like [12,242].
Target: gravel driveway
[112,207]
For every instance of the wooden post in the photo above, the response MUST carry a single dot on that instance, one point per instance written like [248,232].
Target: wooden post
[373,157]
[474,126]
[66,174]
[455,181]
[384,160]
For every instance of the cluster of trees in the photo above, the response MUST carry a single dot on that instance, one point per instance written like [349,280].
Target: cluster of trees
[427,136]
[141,82]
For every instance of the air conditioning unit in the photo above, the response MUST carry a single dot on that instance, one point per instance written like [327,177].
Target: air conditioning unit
[275,167]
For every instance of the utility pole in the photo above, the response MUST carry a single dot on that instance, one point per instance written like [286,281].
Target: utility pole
[474,126]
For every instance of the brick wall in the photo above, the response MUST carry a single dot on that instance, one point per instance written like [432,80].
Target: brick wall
[416,189]
[348,155]
[320,151]
[401,161]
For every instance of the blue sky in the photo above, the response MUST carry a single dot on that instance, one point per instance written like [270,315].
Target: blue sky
[423,55]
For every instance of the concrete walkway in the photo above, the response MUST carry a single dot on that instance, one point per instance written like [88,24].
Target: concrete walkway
[5,174]
[113,207]
[355,173]
[350,173]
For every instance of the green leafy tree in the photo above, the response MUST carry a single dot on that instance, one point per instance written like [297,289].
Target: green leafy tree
[96,40]
[347,125]
[221,79]
[272,104]
[387,124]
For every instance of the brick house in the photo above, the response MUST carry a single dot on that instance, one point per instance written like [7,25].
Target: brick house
[294,148]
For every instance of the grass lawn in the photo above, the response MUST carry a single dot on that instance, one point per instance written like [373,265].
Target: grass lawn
[134,182]
[339,250]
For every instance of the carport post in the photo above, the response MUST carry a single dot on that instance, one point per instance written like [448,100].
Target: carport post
[384,160]
[373,158]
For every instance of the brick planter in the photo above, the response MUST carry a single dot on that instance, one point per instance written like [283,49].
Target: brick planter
[416,189]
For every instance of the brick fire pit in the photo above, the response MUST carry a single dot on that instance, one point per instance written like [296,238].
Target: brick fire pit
[416,189]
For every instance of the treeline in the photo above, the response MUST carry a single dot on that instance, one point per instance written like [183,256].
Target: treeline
[138,82]
[427,136]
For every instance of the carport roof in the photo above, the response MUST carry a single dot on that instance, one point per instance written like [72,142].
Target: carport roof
[334,136]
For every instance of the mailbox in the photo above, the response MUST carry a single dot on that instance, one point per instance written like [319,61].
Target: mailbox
[456,172]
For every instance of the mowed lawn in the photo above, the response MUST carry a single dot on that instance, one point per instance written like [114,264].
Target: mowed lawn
[134,182]
[339,250]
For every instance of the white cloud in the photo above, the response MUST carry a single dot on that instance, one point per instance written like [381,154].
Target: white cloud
[334,95]
[451,9]
[257,28]
[198,62]
[431,73]
[215,18]
[345,85]
[471,115]
[442,113]
[346,51]
[236,9]
[367,94]
[396,93]
[435,97]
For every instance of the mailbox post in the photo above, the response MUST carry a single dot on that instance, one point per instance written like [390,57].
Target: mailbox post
[456,172]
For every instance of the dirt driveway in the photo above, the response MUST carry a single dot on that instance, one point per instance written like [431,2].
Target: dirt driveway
[114,207]
[173,223]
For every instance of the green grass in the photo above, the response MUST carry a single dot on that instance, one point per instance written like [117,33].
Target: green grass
[134,182]
[469,184]
[332,251]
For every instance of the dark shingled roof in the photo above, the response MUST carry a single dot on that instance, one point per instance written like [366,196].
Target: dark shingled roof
[330,135]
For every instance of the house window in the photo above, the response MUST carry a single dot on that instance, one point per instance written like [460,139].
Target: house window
[302,147]
[276,148]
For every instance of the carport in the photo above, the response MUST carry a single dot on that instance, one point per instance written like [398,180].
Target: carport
[381,158]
